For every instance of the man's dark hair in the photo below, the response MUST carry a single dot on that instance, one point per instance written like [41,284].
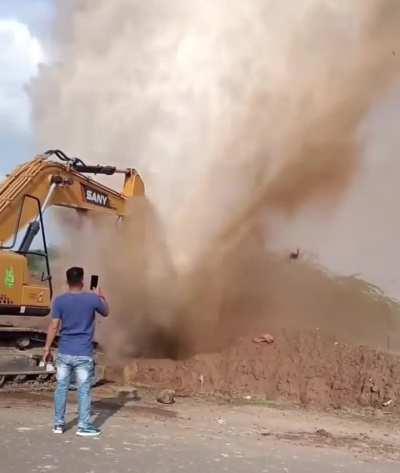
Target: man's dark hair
[75,276]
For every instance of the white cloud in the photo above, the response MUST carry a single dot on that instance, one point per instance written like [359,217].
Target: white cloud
[20,56]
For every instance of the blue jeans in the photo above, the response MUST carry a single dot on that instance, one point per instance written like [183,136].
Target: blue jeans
[82,367]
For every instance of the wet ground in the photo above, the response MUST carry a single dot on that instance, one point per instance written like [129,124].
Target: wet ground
[195,435]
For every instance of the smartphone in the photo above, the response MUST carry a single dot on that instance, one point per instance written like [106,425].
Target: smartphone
[94,281]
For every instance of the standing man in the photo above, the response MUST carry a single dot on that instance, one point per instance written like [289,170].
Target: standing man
[74,316]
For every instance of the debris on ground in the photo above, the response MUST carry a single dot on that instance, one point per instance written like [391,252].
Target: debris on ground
[323,433]
[387,403]
[128,392]
[166,396]
[264,338]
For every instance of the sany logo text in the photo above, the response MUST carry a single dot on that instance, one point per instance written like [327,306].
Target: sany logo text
[95,197]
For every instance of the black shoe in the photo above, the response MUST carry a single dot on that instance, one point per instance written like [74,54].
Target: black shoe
[58,429]
[90,431]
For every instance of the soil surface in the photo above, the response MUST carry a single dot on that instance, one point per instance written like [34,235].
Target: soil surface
[306,368]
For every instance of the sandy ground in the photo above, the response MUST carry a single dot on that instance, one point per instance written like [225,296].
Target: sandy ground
[196,435]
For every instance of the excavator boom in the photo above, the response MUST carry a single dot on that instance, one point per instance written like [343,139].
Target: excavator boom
[58,184]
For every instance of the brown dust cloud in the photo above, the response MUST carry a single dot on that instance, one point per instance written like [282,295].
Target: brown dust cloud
[233,112]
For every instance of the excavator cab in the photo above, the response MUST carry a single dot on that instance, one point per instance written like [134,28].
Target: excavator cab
[20,294]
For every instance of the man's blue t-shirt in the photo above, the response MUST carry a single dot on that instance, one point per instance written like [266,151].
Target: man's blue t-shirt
[77,312]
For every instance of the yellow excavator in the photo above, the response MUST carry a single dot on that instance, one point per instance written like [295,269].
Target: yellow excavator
[24,197]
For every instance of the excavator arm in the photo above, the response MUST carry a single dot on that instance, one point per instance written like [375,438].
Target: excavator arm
[60,184]
[25,194]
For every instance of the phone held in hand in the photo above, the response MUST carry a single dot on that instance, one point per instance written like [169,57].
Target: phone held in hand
[94,281]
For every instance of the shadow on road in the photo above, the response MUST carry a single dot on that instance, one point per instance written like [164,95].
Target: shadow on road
[104,409]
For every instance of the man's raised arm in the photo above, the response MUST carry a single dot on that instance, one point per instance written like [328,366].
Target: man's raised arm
[102,306]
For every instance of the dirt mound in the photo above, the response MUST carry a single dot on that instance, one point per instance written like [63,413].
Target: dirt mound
[306,368]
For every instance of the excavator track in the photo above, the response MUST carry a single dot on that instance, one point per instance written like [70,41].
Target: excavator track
[21,352]
[39,380]
[20,355]
[27,382]
[36,378]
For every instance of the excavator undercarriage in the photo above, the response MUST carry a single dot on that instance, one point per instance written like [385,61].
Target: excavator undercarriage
[20,355]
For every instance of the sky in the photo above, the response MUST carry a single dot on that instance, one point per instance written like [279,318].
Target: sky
[25,29]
